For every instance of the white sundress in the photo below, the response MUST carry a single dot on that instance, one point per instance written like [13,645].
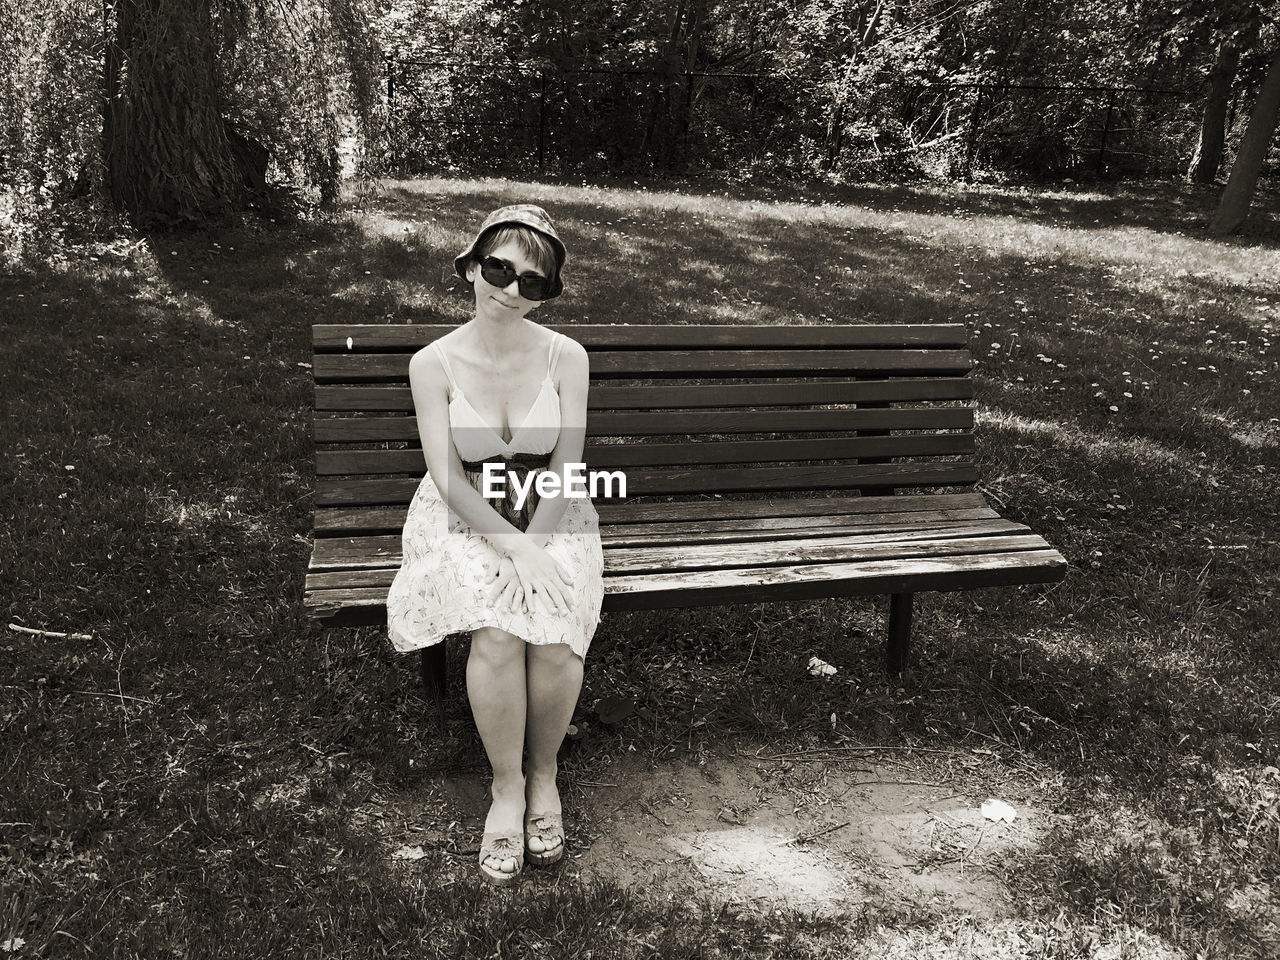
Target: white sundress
[442,585]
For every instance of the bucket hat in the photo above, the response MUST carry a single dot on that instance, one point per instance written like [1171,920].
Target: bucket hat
[528,215]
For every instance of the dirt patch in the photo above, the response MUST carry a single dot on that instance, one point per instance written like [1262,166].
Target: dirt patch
[819,836]
[823,835]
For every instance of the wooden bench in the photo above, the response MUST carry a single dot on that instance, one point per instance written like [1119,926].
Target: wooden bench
[762,463]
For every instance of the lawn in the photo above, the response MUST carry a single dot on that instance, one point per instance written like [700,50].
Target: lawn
[199,771]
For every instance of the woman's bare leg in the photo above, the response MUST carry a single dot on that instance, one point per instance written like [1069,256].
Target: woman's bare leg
[496,688]
[554,681]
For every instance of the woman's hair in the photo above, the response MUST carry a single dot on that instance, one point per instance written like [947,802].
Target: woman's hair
[533,244]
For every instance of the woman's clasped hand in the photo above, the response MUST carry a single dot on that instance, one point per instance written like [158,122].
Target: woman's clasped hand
[530,577]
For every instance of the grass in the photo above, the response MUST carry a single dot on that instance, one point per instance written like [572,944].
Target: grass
[158,407]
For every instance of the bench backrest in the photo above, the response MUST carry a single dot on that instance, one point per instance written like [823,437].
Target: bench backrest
[685,411]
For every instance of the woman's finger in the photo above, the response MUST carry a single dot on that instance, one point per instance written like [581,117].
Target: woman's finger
[558,596]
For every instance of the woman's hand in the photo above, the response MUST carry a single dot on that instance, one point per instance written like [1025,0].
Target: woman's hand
[531,577]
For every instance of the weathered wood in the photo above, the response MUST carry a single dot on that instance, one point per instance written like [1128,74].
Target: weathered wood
[609,456]
[628,561]
[379,338]
[780,528]
[373,367]
[380,550]
[366,605]
[391,429]
[613,396]
[656,482]
[809,581]
[361,519]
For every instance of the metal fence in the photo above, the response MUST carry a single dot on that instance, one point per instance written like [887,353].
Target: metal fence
[528,117]
[518,118]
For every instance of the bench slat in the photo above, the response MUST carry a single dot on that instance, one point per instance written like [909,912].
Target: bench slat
[612,396]
[346,562]
[659,482]
[410,337]
[962,522]
[391,518]
[364,367]
[602,456]
[405,428]
[810,581]
[658,559]
[367,605]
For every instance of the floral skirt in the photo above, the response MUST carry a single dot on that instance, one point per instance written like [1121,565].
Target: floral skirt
[446,568]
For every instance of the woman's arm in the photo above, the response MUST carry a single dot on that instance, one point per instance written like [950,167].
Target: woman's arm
[430,389]
[575,369]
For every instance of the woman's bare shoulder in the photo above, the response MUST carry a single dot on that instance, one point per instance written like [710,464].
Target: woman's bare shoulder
[425,363]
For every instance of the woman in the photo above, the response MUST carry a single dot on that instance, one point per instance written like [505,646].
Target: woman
[525,579]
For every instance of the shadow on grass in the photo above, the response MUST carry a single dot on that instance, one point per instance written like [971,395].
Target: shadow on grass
[173,386]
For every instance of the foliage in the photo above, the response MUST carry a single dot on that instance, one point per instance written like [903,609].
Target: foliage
[50,82]
[300,78]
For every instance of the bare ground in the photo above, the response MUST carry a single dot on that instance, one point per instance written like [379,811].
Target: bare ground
[822,833]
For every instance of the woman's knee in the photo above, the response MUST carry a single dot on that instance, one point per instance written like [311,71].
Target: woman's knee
[553,655]
[497,647]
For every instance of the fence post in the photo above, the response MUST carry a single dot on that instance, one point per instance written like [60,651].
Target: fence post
[973,134]
[542,116]
[688,117]
[391,107]
[1106,130]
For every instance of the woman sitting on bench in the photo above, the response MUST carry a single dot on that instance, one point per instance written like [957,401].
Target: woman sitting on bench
[522,572]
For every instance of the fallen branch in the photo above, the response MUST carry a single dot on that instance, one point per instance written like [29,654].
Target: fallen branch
[49,633]
[815,753]
[805,838]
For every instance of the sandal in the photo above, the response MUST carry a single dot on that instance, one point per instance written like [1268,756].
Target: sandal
[547,827]
[501,847]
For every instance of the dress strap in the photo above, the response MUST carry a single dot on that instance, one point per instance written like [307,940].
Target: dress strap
[554,353]
[444,362]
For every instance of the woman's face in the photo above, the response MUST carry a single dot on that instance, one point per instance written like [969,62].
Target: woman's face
[503,303]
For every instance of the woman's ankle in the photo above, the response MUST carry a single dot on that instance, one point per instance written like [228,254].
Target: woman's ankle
[507,784]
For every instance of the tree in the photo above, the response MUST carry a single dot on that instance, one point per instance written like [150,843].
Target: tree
[167,150]
[1208,151]
[171,149]
[1233,206]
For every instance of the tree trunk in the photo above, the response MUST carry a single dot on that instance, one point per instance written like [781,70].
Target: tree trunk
[168,154]
[656,141]
[1236,196]
[861,38]
[693,42]
[1208,153]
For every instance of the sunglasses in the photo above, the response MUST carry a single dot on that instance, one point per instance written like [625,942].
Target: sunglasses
[499,273]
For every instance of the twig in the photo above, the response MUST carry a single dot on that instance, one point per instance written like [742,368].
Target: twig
[122,696]
[49,633]
[838,750]
[91,693]
[981,830]
[805,838]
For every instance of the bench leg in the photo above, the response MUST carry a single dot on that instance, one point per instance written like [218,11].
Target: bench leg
[435,680]
[897,649]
